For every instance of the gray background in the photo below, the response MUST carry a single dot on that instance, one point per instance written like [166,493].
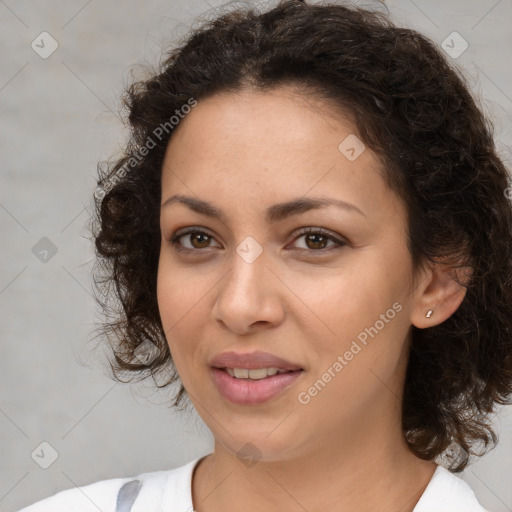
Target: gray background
[58,118]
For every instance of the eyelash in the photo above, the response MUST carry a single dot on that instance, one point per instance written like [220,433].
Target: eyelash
[306,231]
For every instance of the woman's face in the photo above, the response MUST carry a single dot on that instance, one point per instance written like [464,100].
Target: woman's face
[333,304]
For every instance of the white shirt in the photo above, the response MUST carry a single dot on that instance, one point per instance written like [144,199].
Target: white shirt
[171,491]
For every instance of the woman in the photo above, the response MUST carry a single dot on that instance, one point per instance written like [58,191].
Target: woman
[310,233]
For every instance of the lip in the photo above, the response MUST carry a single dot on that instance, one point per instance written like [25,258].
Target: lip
[252,360]
[251,392]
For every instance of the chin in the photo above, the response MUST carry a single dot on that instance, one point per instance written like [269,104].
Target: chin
[260,441]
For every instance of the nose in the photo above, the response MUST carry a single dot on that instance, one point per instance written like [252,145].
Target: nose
[249,297]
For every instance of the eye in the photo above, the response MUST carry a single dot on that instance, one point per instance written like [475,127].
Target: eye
[198,239]
[316,238]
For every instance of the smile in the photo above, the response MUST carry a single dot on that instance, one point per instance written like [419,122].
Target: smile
[254,374]
[244,386]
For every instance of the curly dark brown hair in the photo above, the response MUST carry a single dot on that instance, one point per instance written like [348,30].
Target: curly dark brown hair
[415,111]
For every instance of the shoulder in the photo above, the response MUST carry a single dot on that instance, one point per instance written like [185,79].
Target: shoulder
[137,492]
[446,492]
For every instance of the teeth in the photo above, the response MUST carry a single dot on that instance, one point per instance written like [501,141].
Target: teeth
[241,373]
[255,374]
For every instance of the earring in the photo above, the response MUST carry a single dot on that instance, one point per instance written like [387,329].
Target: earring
[429,313]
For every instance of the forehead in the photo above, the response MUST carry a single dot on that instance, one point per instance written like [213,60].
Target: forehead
[266,121]
[269,145]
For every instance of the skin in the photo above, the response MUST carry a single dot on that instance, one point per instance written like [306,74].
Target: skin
[304,301]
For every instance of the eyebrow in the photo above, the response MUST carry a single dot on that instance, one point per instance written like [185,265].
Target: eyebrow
[274,213]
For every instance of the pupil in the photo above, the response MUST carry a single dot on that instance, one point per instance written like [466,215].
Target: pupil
[201,235]
[310,238]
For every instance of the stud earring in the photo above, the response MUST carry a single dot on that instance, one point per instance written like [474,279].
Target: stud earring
[429,313]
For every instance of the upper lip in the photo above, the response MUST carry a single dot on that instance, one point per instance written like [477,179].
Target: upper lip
[252,360]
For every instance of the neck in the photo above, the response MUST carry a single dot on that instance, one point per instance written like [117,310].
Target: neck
[361,469]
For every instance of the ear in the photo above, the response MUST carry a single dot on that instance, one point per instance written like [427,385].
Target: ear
[438,291]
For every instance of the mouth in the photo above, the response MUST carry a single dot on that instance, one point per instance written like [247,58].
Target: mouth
[256,373]
[244,386]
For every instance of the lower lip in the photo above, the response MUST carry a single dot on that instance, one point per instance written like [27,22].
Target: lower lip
[248,392]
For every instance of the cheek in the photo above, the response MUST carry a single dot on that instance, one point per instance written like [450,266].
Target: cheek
[164,293]
[179,291]
[173,302]
[363,313]
[362,365]
[182,299]
[348,301]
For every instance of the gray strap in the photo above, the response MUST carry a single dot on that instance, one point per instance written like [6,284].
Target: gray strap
[127,495]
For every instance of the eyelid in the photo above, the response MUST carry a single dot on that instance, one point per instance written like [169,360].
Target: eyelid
[190,229]
[339,241]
